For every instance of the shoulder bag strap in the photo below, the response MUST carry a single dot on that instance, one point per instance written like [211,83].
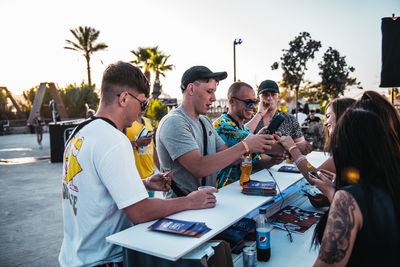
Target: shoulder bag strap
[203,180]
[86,122]
[175,188]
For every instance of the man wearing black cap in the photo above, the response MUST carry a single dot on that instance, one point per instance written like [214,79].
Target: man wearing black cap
[268,93]
[187,142]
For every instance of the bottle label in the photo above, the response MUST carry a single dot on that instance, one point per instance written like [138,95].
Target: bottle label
[263,239]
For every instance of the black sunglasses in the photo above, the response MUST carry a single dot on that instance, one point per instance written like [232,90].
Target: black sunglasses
[143,104]
[248,102]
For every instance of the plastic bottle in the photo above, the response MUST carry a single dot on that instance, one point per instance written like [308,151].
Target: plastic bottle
[263,229]
[245,168]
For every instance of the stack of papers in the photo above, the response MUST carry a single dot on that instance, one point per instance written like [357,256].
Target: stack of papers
[259,188]
[196,229]
[295,219]
[237,234]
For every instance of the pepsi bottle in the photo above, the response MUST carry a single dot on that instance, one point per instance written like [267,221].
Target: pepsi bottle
[263,229]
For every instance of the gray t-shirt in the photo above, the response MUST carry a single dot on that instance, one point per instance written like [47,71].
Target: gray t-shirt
[178,133]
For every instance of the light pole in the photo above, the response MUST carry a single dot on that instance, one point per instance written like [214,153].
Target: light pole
[235,42]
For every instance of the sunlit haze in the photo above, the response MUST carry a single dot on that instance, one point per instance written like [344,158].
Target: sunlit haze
[33,35]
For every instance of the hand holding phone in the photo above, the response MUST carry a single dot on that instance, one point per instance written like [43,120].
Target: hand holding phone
[313,175]
[149,134]
[274,124]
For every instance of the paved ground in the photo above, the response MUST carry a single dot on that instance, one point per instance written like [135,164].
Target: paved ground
[31,225]
[30,203]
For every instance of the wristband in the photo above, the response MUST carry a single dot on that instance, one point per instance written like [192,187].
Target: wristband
[301,158]
[246,147]
[291,148]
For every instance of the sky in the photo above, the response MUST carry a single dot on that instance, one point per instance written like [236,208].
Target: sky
[33,34]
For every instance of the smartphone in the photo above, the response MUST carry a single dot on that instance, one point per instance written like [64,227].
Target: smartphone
[313,175]
[149,134]
[274,124]
[166,173]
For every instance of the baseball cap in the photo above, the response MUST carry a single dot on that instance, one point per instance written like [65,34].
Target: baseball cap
[268,86]
[200,72]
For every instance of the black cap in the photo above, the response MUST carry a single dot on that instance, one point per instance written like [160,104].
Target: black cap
[268,86]
[200,72]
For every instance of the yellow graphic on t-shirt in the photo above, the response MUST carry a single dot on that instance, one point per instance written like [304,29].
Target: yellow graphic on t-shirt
[71,164]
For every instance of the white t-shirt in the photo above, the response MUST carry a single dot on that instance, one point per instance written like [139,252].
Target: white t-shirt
[99,180]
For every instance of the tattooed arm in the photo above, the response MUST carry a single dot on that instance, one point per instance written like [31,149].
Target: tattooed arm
[344,222]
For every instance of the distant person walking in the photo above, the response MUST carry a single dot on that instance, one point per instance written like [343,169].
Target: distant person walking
[38,123]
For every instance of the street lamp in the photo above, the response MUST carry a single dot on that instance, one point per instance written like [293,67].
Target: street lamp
[237,41]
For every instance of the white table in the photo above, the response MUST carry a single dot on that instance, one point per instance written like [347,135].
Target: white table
[285,253]
[231,206]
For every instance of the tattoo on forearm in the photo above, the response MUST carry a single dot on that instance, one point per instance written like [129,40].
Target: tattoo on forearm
[336,240]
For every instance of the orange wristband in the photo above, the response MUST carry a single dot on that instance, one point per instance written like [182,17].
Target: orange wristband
[246,147]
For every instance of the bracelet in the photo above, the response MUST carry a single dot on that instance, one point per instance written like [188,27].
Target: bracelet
[291,148]
[246,147]
[301,158]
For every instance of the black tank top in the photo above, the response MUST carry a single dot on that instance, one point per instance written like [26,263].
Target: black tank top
[378,241]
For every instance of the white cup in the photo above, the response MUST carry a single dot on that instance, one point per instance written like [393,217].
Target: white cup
[205,187]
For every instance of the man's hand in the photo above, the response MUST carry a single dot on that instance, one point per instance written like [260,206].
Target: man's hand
[275,159]
[305,147]
[262,110]
[202,199]
[260,143]
[143,141]
[159,181]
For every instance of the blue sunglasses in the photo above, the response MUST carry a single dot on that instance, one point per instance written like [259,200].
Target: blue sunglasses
[249,103]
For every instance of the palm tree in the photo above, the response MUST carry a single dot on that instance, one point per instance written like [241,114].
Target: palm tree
[158,63]
[142,60]
[86,36]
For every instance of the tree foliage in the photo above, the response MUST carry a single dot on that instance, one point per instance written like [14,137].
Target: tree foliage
[335,75]
[5,108]
[152,59]
[78,98]
[158,63]
[86,38]
[142,61]
[156,111]
[294,60]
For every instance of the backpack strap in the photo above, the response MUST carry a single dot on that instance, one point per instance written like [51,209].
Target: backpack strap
[203,180]
[86,122]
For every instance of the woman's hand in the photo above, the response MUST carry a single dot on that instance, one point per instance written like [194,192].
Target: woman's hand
[325,183]
[287,142]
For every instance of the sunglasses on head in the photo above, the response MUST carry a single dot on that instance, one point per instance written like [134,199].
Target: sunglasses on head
[249,102]
[143,104]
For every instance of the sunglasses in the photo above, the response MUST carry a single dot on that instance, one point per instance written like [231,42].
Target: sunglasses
[143,104]
[249,103]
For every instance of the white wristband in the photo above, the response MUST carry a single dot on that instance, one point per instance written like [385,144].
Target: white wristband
[301,158]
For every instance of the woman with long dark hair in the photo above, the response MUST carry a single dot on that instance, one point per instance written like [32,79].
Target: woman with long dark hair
[362,227]
[378,104]
[334,111]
